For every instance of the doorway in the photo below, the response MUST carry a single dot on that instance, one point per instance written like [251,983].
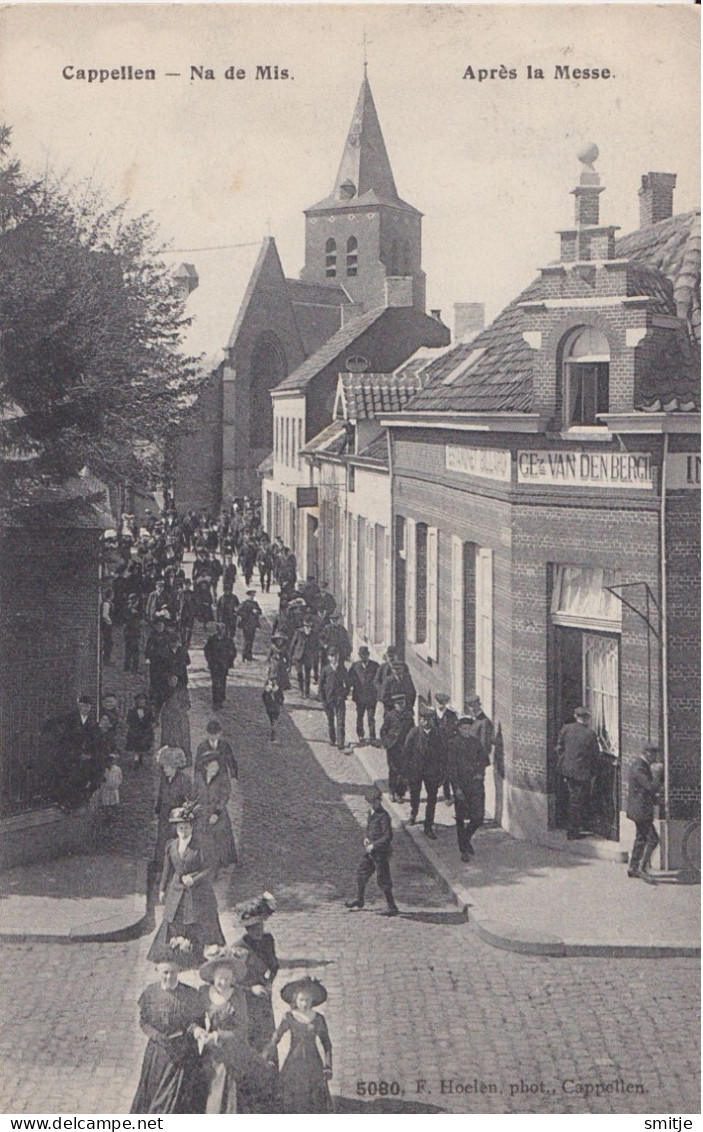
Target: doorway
[588,673]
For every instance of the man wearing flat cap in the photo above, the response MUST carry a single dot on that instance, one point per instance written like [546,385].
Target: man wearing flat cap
[445,720]
[249,615]
[577,759]
[377,854]
[394,730]
[467,769]
[644,788]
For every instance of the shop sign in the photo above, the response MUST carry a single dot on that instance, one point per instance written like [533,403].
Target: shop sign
[586,469]
[306,496]
[683,471]
[484,463]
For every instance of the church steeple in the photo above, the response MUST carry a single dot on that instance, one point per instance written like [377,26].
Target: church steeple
[363,237]
[365,166]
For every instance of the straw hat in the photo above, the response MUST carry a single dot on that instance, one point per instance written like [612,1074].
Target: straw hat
[234,958]
[257,909]
[176,756]
[184,813]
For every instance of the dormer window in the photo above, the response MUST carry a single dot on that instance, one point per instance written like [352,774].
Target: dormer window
[352,255]
[586,373]
[331,258]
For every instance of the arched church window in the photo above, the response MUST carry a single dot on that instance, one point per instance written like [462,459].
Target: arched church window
[393,261]
[268,368]
[405,269]
[585,376]
[331,258]
[352,255]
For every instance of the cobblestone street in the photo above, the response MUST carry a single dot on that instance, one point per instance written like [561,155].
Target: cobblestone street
[419,1006]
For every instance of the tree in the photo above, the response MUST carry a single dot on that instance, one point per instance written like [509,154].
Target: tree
[92,371]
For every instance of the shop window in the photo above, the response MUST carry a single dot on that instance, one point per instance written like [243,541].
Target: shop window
[331,258]
[352,255]
[586,374]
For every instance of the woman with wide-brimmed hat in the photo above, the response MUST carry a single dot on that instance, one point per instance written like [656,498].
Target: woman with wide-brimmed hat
[190,921]
[173,790]
[305,1073]
[172,1079]
[213,829]
[239,1079]
[262,967]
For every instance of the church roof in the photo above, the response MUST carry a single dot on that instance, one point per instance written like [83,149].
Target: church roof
[494,372]
[317,311]
[340,341]
[365,176]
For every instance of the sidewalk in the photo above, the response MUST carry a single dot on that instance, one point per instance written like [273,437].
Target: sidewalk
[552,901]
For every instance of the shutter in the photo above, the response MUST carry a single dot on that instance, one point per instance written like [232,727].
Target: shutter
[457,625]
[484,628]
[353,540]
[432,592]
[410,580]
[370,581]
[387,626]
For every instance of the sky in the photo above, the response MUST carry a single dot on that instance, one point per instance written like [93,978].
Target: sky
[490,164]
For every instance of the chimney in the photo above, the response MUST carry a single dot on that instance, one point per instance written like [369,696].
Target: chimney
[656,198]
[469,319]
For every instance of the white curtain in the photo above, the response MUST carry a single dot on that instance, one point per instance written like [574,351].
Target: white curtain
[601,689]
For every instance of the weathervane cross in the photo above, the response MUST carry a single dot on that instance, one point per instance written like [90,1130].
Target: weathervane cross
[365,43]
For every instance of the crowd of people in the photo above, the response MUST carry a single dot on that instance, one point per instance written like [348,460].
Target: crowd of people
[214,1049]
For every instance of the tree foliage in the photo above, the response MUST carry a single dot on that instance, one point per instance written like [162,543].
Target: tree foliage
[92,370]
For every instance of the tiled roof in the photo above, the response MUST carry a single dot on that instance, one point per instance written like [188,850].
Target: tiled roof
[332,440]
[493,372]
[344,337]
[366,395]
[420,362]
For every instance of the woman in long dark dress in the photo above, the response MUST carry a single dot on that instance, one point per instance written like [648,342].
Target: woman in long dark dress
[304,1076]
[261,968]
[173,790]
[190,921]
[236,1075]
[172,1079]
[213,828]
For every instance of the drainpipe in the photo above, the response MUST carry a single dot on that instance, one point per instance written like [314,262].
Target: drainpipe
[389,442]
[664,639]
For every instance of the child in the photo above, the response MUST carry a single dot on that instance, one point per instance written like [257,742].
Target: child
[273,701]
[304,1075]
[110,789]
[377,854]
[140,729]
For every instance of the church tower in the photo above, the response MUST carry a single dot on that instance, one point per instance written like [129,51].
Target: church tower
[363,237]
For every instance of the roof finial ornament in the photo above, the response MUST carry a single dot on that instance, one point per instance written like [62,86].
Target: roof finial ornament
[365,43]
[587,156]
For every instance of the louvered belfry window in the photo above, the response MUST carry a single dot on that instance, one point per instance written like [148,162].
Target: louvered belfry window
[331,258]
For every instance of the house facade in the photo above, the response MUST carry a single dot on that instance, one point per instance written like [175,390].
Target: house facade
[546,521]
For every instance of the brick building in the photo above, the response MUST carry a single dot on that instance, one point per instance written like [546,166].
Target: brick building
[50,632]
[546,539]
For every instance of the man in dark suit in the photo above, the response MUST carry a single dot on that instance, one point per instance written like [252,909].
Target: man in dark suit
[249,614]
[394,730]
[642,796]
[363,674]
[216,747]
[80,755]
[467,770]
[445,722]
[423,762]
[303,651]
[335,685]
[577,755]
[377,854]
